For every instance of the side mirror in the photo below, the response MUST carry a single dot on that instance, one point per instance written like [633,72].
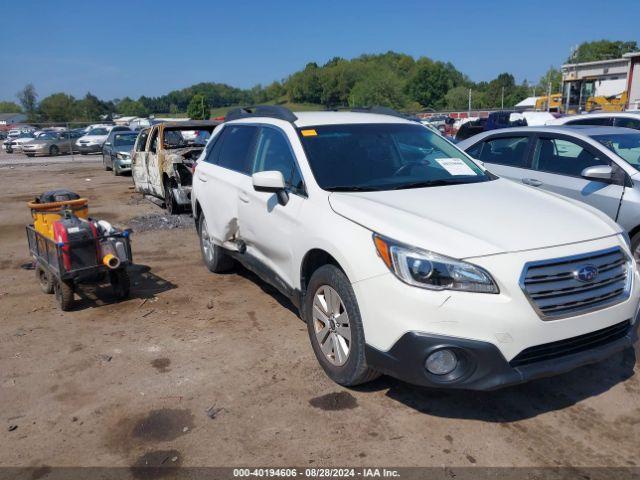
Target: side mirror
[271,181]
[598,173]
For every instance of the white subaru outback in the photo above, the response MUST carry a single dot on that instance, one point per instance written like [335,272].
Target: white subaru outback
[406,257]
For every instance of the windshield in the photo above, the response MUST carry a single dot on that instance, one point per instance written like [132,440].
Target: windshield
[98,131]
[124,140]
[385,157]
[186,138]
[627,146]
[47,136]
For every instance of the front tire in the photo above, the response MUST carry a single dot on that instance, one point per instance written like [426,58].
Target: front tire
[169,201]
[53,150]
[214,257]
[120,283]
[335,327]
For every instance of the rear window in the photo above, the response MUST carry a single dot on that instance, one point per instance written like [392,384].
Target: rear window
[508,151]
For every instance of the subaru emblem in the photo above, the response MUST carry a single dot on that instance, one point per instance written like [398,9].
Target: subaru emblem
[588,273]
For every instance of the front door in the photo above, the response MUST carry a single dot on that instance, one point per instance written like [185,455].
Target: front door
[558,162]
[266,226]
[153,163]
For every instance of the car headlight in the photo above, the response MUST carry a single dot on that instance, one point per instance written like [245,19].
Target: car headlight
[430,270]
[123,156]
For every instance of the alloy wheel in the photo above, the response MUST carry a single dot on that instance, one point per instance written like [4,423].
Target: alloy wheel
[331,325]
[207,244]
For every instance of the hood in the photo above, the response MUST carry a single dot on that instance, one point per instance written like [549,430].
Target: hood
[123,148]
[472,220]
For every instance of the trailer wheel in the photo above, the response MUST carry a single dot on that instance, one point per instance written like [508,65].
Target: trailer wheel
[64,294]
[44,280]
[120,283]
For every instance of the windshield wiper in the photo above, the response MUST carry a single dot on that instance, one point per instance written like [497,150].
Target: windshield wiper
[425,183]
[350,188]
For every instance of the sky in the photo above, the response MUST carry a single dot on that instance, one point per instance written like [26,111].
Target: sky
[130,48]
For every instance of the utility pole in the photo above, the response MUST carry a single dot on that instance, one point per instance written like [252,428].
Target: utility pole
[469,102]
[502,103]
[549,98]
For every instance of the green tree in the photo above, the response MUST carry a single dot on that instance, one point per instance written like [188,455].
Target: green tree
[131,108]
[430,82]
[380,88]
[198,108]
[58,107]
[601,50]
[553,76]
[10,107]
[29,100]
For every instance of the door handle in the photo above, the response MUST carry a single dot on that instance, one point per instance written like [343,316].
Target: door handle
[244,197]
[202,178]
[532,182]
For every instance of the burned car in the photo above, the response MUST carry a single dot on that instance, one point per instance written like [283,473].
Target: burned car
[163,160]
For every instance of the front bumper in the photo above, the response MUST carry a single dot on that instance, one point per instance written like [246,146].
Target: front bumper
[29,149]
[481,365]
[93,148]
[402,324]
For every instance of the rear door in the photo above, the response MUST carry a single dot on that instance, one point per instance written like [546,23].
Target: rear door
[558,162]
[223,173]
[506,155]
[266,226]
[139,161]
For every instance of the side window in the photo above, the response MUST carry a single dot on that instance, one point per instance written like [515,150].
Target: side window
[604,121]
[236,147]
[563,157]
[273,153]
[627,123]
[142,140]
[153,148]
[474,151]
[508,151]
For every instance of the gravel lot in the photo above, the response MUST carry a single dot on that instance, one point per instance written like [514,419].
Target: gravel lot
[218,370]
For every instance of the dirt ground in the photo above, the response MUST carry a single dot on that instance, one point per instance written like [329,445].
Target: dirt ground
[217,370]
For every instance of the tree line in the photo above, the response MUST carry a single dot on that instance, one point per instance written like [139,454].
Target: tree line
[390,79]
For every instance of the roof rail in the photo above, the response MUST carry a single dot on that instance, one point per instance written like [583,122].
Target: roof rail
[385,111]
[271,111]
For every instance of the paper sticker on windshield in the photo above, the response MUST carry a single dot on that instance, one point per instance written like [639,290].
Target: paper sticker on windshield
[455,166]
[309,133]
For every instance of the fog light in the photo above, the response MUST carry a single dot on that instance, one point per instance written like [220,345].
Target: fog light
[441,362]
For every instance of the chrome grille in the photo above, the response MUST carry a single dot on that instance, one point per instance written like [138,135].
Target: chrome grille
[554,290]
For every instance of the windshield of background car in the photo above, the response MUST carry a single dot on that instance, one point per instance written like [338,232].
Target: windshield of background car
[186,138]
[358,157]
[124,140]
[626,146]
[98,131]
[48,136]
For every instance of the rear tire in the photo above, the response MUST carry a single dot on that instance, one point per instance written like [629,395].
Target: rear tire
[44,280]
[64,294]
[335,327]
[214,256]
[104,164]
